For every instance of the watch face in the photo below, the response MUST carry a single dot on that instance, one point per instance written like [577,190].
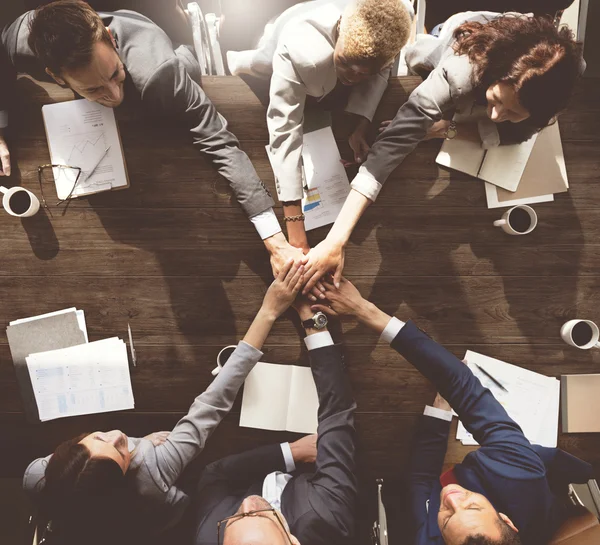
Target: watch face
[320,320]
[451,133]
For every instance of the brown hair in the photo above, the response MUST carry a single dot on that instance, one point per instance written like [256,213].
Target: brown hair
[82,494]
[63,34]
[539,60]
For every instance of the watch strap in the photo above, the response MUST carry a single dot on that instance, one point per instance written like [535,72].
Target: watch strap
[310,323]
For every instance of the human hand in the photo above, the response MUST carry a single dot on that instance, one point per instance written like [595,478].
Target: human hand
[384,125]
[438,129]
[304,451]
[440,403]
[358,141]
[4,156]
[303,307]
[284,289]
[345,300]
[281,251]
[158,437]
[325,257]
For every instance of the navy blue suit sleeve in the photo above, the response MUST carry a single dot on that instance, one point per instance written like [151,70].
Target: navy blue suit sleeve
[500,437]
[426,464]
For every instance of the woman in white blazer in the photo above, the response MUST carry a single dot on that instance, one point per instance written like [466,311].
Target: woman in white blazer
[512,73]
[105,487]
[305,52]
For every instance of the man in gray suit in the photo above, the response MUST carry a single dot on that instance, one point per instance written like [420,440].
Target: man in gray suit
[109,57]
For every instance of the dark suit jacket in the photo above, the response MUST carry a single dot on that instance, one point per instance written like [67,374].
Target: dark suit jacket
[320,506]
[165,79]
[523,481]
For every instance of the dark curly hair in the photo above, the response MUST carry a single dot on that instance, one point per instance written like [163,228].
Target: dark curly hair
[540,61]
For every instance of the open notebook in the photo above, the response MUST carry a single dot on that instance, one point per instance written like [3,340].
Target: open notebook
[280,397]
[79,134]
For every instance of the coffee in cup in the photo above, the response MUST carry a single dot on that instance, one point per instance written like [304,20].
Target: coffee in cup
[19,202]
[582,334]
[518,220]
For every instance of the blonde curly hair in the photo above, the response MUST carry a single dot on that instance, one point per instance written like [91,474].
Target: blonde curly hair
[374,30]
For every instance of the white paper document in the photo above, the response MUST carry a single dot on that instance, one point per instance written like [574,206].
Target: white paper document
[79,133]
[532,400]
[280,397]
[327,184]
[83,379]
[79,313]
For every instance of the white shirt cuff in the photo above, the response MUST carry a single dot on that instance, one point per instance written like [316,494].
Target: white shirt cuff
[3,119]
[438,413]
[266,223]
[290,465]
[366,185]
[318,340]
[391,330]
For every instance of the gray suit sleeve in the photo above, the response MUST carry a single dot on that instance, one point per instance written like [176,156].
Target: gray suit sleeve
[426,105]
[189,436]
[171,91]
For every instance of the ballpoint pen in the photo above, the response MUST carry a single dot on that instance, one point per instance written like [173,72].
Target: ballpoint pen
[488,375]
[133,354]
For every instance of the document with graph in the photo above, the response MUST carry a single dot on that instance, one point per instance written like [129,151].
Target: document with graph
[84,135]
[326,182]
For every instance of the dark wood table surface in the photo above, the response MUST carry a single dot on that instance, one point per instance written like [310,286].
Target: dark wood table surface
[180,262]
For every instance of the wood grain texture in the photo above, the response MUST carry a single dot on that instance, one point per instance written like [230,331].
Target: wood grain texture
[176,258]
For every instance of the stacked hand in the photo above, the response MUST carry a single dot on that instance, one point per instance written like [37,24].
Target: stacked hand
[343,301]
[284,289]
[325,257]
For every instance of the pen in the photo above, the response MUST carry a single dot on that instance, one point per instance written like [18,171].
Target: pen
[495,381]
[133,355]
[96,165]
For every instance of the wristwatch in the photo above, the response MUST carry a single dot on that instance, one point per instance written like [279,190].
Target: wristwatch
[451,131]
[318,321]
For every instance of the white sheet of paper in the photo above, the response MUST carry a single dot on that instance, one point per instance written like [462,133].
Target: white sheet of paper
[491,195]
[327,184]
[504,165]
[80,319]
[531,400]
[280,398]
[79,132]
[83,379]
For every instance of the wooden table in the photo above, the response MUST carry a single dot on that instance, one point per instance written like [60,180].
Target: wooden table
[176,259]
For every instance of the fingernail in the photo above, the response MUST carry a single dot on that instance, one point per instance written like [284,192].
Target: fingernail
[321,296]
[337,285]
[312,297]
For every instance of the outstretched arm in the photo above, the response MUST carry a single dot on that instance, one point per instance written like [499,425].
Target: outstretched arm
[189,436]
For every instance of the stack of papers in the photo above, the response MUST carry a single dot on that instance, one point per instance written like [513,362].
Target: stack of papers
[532,400]
[60,373]
[280,397]
[83,379]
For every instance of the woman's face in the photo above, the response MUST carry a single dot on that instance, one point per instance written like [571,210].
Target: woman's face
[110,444]
[503,104]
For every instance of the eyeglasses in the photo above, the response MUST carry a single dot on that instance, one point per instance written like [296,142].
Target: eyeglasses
[256,513]
[62,174]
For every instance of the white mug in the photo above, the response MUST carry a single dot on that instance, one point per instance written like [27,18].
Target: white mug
[220,364]
[9,195]
[566,332]
[504,222]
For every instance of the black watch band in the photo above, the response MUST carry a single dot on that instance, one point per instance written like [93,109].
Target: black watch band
[318,321]
[309,324]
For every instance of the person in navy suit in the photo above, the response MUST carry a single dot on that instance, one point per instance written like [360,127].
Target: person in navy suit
[509,491]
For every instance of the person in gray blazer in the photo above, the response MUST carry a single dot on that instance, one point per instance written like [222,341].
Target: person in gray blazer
[111,57]
[309,50]
[506,76]
[128,487]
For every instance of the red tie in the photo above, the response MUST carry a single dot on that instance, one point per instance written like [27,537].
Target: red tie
[448,478]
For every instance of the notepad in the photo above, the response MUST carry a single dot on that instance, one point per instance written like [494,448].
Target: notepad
[79,132]
[502,166]
[580,403]
[280,397]
[532,399]
[83,379]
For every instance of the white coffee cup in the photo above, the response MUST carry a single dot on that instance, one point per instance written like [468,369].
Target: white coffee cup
[220,363]
[505,222]
[8,201]
[566,332]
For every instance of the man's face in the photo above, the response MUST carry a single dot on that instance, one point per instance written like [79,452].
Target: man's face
[260,529]
[464,513]
[348,72]
[102,81]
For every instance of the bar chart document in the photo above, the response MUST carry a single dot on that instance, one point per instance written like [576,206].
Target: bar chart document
[79,134]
